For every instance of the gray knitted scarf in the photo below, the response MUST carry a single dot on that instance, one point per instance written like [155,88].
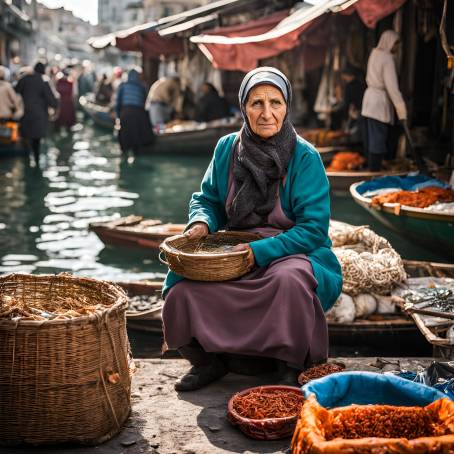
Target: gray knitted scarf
[259,166]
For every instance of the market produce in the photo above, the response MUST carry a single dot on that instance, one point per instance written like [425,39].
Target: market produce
[434,298]
[343,311]
[319,371]
[385,305]
[346,160]
[268,403]
[374,428]
[365,304]
[419,199]
[15,308]
[323,137]
[141,303]
[384,421]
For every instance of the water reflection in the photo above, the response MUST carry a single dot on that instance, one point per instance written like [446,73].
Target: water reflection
[44,213]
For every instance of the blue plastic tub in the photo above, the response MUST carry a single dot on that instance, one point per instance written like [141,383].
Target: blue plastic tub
[346,388]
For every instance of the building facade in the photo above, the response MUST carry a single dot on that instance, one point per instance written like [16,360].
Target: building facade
[17,27]
[61,34]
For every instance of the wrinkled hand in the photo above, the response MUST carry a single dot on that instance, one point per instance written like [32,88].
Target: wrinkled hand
[250,256]
[197,230]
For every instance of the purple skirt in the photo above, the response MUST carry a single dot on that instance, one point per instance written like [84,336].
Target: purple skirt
[271,312]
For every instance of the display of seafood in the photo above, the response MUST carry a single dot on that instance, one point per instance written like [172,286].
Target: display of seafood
[140,303]
[436,298]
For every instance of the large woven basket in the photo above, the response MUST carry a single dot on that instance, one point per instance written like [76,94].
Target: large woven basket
[185,256]
[63,380]
[263,429]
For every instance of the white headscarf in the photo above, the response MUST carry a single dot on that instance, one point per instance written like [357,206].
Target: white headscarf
[387,40]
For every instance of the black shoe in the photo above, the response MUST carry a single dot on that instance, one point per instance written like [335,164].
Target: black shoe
[200,376]
[287,375]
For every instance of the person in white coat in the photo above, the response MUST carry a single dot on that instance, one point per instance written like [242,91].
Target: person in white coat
[381,98]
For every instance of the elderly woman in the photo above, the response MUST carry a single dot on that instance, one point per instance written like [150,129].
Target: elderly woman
[264,179]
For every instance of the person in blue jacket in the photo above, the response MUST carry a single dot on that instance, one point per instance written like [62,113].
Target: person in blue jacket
[135,126]
[263,179]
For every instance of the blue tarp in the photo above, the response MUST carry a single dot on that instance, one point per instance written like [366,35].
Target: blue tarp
[408,183]
[439,375]
[346,388]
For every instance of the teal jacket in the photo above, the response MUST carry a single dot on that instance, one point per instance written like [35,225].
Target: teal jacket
[304,199]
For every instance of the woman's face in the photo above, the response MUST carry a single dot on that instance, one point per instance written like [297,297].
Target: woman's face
[265,110]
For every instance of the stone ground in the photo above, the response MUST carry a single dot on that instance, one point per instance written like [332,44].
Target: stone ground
[165,422]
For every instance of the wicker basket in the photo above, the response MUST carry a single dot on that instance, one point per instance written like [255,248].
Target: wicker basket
[64,380]
[192,259]
[263,429]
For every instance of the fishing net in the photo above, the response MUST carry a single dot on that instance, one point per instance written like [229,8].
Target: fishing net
[369,263]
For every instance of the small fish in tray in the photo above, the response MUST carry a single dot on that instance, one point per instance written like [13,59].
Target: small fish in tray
[434,298]
[141,303]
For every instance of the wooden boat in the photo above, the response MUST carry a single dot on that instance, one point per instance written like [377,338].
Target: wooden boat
[10,142]
[379,331]
[433,325]
[201,139]
[341,181]
[13,149]
[101,115]
[135,231]
[433,229]
[148,320]
[180,139]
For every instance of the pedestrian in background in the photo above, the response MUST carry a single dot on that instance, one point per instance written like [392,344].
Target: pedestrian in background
[164,100]
[135,127]
[104,91]
[11,105]
[381,97]
[38,97]
[211,106]
[67,112]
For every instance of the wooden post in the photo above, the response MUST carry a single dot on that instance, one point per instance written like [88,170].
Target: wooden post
[150,68]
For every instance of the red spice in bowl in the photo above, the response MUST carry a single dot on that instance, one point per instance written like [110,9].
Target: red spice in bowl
[320,371]
[266,412]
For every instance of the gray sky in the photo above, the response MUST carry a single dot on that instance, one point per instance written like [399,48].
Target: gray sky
[86,9]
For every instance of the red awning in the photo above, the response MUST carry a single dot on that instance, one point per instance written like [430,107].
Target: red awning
[141,38]
[371,11]
[150,44]
[241,47]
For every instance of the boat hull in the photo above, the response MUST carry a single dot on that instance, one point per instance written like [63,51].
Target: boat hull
[13,149]
[129,232]
[193,141]
[381,335]
[99,114]
[341,181]
[429,229]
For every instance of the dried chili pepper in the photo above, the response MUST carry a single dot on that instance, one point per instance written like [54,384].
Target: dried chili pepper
[262,404]
[418,199]
[318,372]
[381,421]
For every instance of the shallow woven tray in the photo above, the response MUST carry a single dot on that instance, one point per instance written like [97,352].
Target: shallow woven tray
[303,378]
[263,429]
[204,260]
[315,422]
[64,380]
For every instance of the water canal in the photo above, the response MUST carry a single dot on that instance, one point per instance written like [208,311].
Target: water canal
[44,213]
